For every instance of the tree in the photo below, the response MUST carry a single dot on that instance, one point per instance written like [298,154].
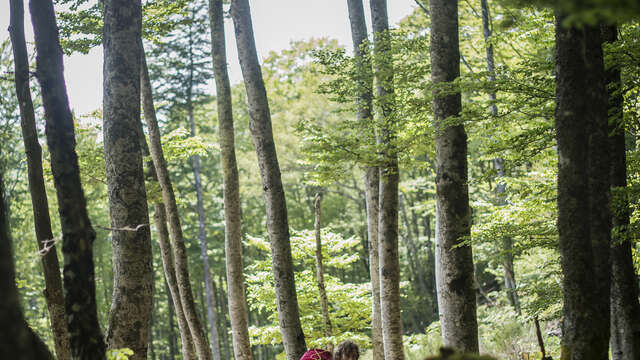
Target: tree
[371,174]
[276,207]
[625,309]
[232,210]
[44,235]
[456,296]
[173,219]
[389,178]
[585,325]
[131,306]
[17,339]
[77,233]
[322,291]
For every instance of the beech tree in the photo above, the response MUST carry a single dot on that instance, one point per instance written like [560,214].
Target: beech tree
[579,120]
[276,207]
[371,174]
[232,210]
[44,235]
[456,295]
[77,233]
[131,306]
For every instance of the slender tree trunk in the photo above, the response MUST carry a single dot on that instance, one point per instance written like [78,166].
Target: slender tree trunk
[131,303]
[585,334]
[232,210]
[456,295]
[178,246]
[389,179]
[44,236]
[16,337]
[498,163]
[170,309]
[211,305]
[277,222]
[224,309]
[625,309]
[322,291]
[77,234]
[371,174]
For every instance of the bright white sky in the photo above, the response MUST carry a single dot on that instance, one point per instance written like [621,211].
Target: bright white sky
[276,23]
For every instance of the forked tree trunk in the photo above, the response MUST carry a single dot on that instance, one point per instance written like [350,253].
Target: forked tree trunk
[456,295]
[175,228]
[498,163]
[322,291]
[371,176]
[277,222]
[16,337]
[232,210]
[389,179]
[625,309]
[131,303]
[77,233]
[44,236]
[584,327]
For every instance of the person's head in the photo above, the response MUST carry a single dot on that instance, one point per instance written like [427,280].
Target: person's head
[347,350]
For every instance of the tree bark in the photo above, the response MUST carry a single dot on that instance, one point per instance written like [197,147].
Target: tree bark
[170,309]
[364,116]
[202,232]
[456,295]
[584,328]
[625,309]
[498,163]
[179,249]
[44,236]
[131,303]
[276,207]
[16,337]
[77,234]
[322,291]
[389,179]
[232,210]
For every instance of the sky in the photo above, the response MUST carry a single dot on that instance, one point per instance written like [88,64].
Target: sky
[276,24]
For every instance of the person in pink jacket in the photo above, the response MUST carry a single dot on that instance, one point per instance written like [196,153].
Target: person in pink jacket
[317,354]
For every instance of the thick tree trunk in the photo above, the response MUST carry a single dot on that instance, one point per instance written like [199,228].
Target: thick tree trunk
[322,291]
[456,295]
[498,163]
[44,236]
[179,249]
[371,174]
[389,179]
[77,234]
[202,235]
[16,337]
[232,210]
[584,328]
[131,303]
[625,309]
[277,222]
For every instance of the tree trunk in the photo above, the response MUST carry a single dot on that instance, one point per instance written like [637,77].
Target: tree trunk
[44,236]
[131,303]
[170,308]
[584,328]
[232,210]
[389,178]
[224,309]
[16,337]
[77,234]
[211,305]
[625,309]
[371,176]
[276,207]
[198,333]
[498,163]
[456,295]
[324,302]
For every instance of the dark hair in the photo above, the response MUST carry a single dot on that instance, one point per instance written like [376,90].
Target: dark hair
[347,350]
